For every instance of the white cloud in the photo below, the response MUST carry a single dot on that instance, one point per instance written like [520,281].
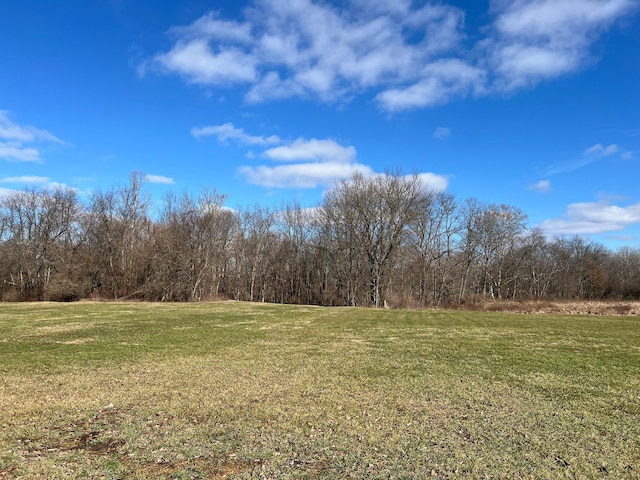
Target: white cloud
[519,65]
[323,150]
[314,49]
[543,186]
[437,183]
[535,40]
[627,155]
[159,179]
[22,134]
[441,81]
[376,7]
[311,49]
[441,133]
[592,218]
[14,136]
[570,20]
[198,63]
[228,131]
[211,26]
[311,163]
[9,152]
[301,175]
[26,179]
[410,56]
[272,87]
[5,192]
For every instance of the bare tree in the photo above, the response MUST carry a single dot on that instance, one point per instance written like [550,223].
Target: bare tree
[193,237]
[370,215]
[469,246]
[254,248]
[38,237]
[433,237]
[624,269]
[118,228]
[294,265]
[373,239]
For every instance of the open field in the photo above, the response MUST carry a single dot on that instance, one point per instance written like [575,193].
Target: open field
[235,390]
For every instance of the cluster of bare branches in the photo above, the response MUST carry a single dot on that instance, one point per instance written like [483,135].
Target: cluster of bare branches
[372,241]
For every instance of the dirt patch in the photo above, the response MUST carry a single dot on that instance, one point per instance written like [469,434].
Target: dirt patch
[101,436]
[198,467]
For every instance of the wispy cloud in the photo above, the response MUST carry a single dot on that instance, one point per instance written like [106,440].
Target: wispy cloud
[14,139]
[589,156]
[26,180]
[627,239]
[22,133]
[543,186]
[569,166]
[33,181]
[408,55]
[158,179]
[228,131]
[599,150]
[442,133]
[587,218]
[18,152]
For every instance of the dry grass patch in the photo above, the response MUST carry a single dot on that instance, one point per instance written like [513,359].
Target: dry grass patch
[560,307]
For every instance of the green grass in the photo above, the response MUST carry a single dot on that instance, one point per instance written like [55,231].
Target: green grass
[235,390]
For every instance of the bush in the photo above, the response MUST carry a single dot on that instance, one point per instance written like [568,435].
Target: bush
[65,290]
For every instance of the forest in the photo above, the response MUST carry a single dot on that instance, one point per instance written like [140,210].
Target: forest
[372,241]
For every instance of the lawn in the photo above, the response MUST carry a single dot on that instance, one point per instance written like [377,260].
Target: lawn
[237,390]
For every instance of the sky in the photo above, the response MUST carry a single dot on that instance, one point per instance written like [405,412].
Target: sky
[530,103]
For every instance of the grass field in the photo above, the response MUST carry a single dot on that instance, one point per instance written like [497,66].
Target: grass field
[235,390]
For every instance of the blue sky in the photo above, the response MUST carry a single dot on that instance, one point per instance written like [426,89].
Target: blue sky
[532,103]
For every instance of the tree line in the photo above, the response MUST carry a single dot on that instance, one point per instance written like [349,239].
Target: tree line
[377,241]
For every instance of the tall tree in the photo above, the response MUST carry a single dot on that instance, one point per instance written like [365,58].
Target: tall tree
[371,215]
[433,237]
[193,235]
[118,229]
[38,236]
